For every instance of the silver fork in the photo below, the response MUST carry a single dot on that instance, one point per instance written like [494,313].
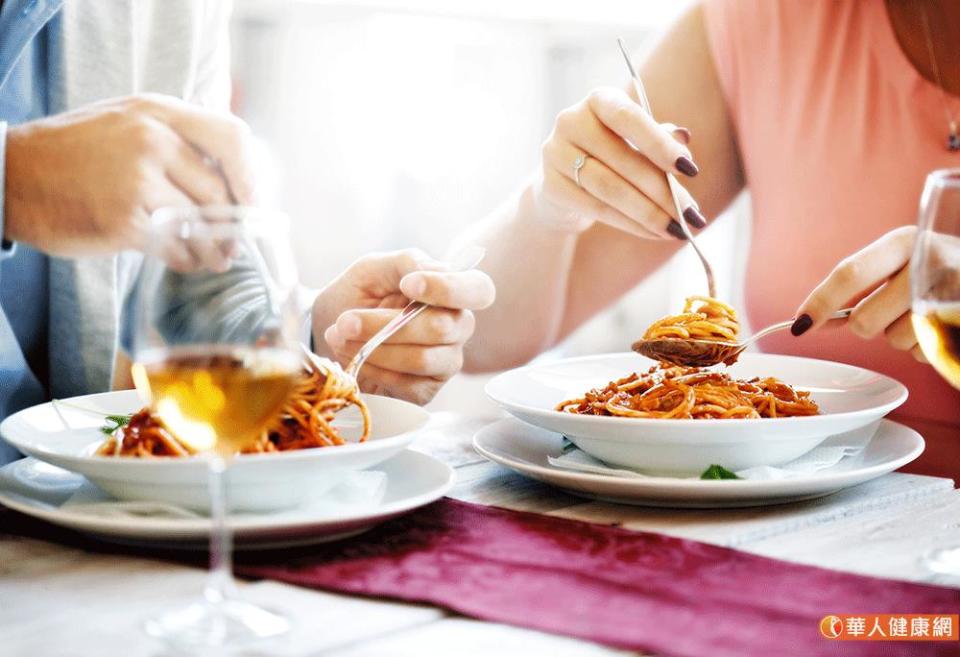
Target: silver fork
[671,180]
[689,352]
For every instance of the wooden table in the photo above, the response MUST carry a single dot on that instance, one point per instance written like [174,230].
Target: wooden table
[60,601]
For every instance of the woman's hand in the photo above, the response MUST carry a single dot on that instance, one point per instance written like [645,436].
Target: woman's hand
[881,271]
[622,180]
[416,362]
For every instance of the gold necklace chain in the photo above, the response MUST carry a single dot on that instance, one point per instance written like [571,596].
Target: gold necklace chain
[953,139]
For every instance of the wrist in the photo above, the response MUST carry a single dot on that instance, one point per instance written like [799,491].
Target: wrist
[17,223]
[540,211]
[6,245]
[549,219]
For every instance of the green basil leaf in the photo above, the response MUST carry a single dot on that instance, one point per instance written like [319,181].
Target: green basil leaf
[718,472]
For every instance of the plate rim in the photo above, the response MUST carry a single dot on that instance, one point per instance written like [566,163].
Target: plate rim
[194,528]
[510,406]
[653,483]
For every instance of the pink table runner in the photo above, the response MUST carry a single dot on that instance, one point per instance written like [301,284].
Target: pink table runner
[636,590]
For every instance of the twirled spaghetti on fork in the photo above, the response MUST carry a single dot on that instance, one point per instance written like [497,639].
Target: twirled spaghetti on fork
[703,318]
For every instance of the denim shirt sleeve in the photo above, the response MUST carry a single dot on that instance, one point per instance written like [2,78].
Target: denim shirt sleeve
[7,247]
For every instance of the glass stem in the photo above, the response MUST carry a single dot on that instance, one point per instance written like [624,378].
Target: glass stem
[220,585]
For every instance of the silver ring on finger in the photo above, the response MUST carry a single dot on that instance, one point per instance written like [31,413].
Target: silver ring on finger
[577,165]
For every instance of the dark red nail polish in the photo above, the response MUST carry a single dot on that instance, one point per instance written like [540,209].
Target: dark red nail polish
[686,166]
[693,216]
[800,326]
[674,229]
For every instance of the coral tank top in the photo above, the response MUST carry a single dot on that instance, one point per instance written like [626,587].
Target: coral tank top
[837,132]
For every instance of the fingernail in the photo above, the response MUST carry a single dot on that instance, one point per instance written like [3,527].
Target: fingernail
[693,216]
[413,286]
[800,326]
[686,166]
[674,229]
[683,133]
[348,326]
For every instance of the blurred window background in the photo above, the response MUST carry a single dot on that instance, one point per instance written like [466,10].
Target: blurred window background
[398,123]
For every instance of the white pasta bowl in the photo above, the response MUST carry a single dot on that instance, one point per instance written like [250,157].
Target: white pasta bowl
[65,436]
[850,399]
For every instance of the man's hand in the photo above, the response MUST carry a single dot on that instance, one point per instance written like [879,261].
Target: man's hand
[414,363]
[85,182]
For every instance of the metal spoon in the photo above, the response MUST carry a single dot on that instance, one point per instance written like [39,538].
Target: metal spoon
[671,181]
[703,353]
[464,260]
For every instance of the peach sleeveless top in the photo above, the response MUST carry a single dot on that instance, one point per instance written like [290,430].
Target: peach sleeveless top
[837,131]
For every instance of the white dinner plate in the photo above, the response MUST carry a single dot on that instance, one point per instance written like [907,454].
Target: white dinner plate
[65,436]
[525,448]
[850,398]
[39,489]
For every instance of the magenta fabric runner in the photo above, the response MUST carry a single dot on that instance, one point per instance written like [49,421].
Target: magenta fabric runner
[636,590]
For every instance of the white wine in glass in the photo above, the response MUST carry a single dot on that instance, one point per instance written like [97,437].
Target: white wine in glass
[216,398]
[937,326]
[212,326]
[935,283]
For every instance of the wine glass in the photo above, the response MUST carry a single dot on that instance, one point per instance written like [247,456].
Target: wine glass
[212,325]
[935,282]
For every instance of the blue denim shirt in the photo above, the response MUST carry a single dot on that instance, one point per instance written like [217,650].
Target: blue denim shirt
[24,72]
